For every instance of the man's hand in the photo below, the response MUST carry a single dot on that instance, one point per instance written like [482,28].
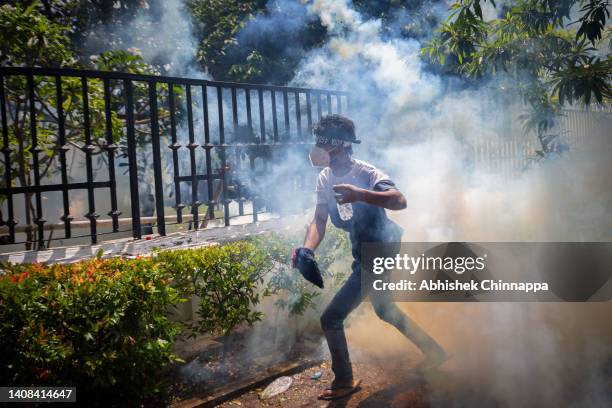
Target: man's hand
[348,193]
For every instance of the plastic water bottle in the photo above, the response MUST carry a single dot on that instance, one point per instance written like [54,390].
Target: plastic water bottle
[345,211]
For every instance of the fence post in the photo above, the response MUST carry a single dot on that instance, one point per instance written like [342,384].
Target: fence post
[157,171]
[132,160]
[35,149]
[6,149]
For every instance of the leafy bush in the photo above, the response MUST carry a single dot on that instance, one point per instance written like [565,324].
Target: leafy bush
[224,278]
[99,325]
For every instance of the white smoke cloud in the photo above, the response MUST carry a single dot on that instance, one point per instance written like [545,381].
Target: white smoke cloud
[415,126]
[433,128]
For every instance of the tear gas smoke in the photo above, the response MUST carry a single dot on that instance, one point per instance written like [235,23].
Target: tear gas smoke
[418,128]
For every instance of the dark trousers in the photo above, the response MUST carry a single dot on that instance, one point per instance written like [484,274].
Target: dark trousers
[344,302]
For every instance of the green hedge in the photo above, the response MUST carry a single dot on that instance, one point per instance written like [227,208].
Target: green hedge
[99,325]
[102,325]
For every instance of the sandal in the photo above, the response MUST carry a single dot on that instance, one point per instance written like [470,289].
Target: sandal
[339,391]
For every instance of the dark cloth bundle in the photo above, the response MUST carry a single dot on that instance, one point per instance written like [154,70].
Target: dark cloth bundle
[303,259]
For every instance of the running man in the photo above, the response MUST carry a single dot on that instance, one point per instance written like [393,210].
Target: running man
[354,194]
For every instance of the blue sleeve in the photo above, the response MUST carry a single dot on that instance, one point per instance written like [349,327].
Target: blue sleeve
[384,185]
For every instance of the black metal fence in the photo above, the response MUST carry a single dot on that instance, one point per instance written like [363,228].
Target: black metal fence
[182,143]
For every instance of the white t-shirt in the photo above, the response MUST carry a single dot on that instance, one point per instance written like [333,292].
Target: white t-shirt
[362,174]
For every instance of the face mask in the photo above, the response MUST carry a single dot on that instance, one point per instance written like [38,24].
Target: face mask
[319,157]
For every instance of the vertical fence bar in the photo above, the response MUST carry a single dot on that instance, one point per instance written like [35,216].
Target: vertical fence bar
[207,146]
[223,146]
[262,131]
[62,149]
[6,149]
[308,110]
[175,160]
[111,147]
[132,160]
[251,135]
[274,118]
[286,107]
[195,203]
[35,149]
[298,116]
[329,104]
[247,99]
[234,113]
[157,170]
[262,116]
[88,149]
[339,103]
[319,110]
[234,141]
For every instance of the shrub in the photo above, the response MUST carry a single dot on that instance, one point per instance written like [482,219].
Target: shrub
[224,277]
[99,325]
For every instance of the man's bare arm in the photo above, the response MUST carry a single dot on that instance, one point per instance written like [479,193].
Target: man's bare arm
[316,229]
[391,199]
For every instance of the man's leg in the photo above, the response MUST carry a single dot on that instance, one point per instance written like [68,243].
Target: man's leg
[388,311]
[332,323]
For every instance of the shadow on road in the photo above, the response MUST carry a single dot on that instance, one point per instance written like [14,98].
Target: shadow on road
[402,394]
